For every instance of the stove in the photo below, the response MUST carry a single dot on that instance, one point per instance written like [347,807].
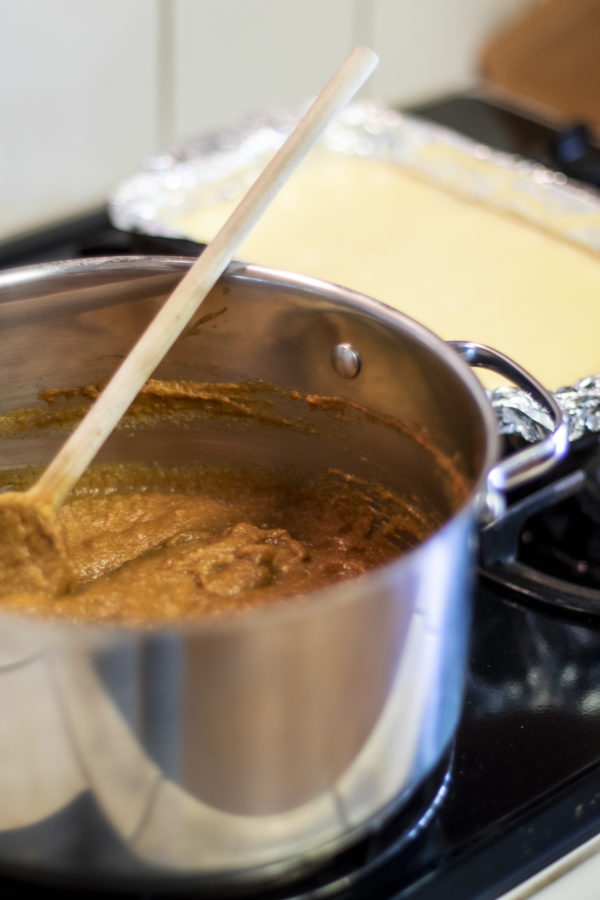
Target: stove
[521,784]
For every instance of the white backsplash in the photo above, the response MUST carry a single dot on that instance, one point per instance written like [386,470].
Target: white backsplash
[91,88]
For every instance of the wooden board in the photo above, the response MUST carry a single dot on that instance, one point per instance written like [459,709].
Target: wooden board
[550,58]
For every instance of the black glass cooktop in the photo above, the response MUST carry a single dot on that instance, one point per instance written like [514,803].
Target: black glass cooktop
[571,149]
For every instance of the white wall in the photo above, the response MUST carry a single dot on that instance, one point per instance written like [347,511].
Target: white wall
[90,88]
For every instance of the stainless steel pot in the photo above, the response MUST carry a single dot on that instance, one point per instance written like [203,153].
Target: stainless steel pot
[251,747]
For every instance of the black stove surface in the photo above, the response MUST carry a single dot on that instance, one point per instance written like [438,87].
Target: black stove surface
[522,783]
[572,149]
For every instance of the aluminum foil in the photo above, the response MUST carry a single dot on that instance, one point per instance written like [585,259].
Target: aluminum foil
[519,414]
[214,167]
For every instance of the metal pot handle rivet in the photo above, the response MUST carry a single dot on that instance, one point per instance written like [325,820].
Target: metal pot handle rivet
[345,360]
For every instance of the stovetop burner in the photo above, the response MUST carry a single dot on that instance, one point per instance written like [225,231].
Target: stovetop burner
[565,541]
[344,874]
[547,547]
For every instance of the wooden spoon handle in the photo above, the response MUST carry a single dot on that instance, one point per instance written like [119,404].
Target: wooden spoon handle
[83,444]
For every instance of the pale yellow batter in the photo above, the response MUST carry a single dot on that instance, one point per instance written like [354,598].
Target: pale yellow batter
[465,271]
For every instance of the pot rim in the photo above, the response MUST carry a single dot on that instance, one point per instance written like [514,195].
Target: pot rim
[342,592]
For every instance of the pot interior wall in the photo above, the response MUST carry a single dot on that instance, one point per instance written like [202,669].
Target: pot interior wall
[252,327]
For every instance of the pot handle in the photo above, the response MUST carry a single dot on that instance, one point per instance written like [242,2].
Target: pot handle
[532,461]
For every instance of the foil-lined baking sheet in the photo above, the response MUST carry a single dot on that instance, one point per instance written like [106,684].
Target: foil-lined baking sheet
[216,167]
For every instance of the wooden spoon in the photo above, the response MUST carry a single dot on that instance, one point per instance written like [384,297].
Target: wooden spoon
[32,552]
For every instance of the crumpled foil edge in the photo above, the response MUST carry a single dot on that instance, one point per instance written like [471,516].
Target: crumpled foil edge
[217,166]
[518,413]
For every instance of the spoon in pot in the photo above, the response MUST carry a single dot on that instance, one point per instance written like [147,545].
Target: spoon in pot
[32,552]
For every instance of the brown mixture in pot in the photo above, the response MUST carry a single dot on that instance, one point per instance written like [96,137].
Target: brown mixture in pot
[151,544]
